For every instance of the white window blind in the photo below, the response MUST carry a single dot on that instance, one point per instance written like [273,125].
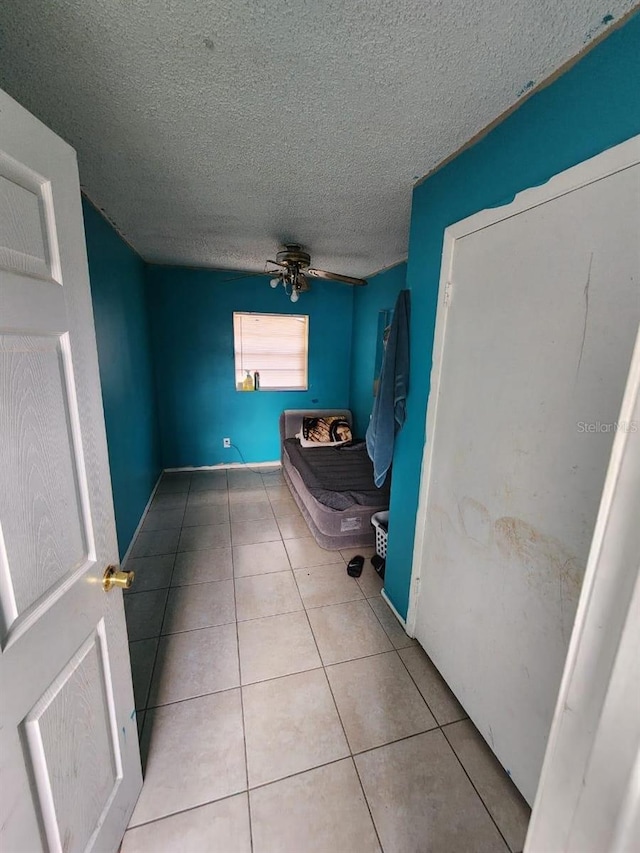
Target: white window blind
[276,345]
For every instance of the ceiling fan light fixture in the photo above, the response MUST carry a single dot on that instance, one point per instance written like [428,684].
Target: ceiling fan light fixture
[294,263]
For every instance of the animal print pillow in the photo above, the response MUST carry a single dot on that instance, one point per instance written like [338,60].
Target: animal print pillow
[324,432]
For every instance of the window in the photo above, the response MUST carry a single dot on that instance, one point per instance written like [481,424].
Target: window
[276,345]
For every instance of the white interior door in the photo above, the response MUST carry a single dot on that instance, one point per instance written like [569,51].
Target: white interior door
[539,307]
[69,748]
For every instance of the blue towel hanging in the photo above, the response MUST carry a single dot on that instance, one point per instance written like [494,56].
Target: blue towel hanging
[388,413]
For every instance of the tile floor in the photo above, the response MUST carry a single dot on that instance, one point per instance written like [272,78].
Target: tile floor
[281,706]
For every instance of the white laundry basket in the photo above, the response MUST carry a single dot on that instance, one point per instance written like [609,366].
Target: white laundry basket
[380,521]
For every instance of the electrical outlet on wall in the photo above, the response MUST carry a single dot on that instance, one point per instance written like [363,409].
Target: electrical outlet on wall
[226,442]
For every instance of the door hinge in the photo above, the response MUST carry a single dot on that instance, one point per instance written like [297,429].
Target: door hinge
[447,293]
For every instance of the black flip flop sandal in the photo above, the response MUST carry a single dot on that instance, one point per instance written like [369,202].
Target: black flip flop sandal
[354,569]
[378,564]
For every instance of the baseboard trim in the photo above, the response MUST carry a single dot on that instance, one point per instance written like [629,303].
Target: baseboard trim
[127,553]
[395,612]
[224,465]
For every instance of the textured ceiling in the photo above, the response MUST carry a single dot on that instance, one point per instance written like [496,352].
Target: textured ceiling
[210,132]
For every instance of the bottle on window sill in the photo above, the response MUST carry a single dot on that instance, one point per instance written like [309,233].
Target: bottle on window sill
[256,380]
[247,384]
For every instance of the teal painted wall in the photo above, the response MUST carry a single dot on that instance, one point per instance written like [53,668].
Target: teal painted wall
[593,106]
[380,293]
[126,371]
[192,329]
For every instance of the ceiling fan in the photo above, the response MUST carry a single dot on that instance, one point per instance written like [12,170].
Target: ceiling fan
[295,270]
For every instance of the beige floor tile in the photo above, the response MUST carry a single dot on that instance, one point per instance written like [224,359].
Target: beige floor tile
[322,585]
[284,508]
[291,724]
[153,542]
[253,511]
[258,494]
[370,581]
[195,663]
[443,704]
[150,572]
[222,826]
[211,564]
[240,480]
[207,497]
[260,559]
[266,595]
[163,519]
[278,492]
[203,481]
[329,813]
[194,754]
[347,631]
[389,622]
[252,532]
[377,700]
[273,477]
[205,536]
[440,811]
[306,552]
[143,655]
[168,500]
[174,482]
[201,605]
[276,646]
[293,527]
[505,803]
[144,612]
[197,515]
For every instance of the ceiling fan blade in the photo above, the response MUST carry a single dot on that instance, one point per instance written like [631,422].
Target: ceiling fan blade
[277,263]
[303,284]
[334,276]
[243,275]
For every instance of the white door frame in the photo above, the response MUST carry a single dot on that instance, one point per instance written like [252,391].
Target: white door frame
[588,798]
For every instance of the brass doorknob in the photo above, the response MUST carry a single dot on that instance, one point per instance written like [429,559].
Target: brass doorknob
[112,577]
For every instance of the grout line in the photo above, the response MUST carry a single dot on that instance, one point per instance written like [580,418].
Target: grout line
[300,773]
[335,704]
[366,800]
[397,740]
[191,698]
[243,793]
[379,621]
[186,630]
[284,675]
[453,722]
[164,613]
[418,688]
[475,789]
[244,730]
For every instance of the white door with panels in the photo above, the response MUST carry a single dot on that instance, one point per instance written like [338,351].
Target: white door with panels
[68,740]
